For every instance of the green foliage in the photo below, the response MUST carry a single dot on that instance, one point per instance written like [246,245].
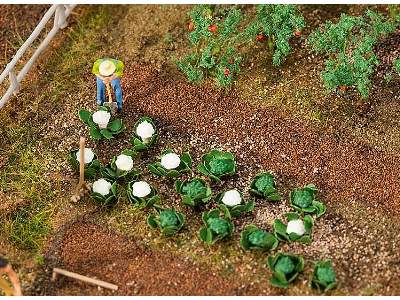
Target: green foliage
[138,143]
[303,200]
[215,227]
[219,33]
[278,23]
[324,276]
[28,226]
[114,127]
[169,221]
[396,65]
[253,238]
[91,169]
[213,41]
[285,268]
[263,186]
[217,164]
[281,229]
[185,166]
[193,192]
[350,46]
[394,12]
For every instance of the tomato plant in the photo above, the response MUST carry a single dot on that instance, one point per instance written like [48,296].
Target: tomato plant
[350,46]
[217,34]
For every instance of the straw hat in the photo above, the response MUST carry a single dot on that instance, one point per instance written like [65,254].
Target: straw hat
[106,68]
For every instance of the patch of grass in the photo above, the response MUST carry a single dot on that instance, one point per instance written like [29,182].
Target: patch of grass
[25,177]
[28,227]
[26,174]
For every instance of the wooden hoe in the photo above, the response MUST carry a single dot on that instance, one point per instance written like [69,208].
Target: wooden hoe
[82,188]
[112,105]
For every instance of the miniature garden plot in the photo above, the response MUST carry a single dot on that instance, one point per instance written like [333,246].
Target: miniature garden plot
[262,202]
[227,206]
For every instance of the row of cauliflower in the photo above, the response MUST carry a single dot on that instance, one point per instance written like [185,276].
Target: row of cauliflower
[215,165]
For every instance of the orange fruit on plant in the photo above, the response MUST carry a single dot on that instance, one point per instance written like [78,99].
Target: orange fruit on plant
[191,26]
[213,28]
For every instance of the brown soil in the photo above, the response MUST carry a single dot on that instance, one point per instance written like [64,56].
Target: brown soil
[357,182]
[345,169]
[13,32]
[91,250]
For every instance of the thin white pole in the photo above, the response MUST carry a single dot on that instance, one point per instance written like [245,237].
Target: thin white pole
[62,12]
[35,33]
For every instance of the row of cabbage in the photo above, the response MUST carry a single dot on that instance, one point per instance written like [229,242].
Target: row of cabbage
[196,192]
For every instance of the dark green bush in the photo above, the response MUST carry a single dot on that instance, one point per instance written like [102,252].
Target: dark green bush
[213,53]
[217,35]
[396,65]
[349,45]
[278,23]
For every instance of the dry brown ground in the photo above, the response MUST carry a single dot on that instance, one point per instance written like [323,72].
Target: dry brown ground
[16,24]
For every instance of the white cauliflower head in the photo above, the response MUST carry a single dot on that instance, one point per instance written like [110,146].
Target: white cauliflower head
[141,189]
[296,226]
[232,198]
[124,162]
[101,118]
[101,187]
[145,130]
[87,153]
[170,161]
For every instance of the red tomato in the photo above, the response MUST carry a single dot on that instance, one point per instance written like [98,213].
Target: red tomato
[227,72]
[191,26]
[260,37]
[213,28]
[343,88]
[297,33]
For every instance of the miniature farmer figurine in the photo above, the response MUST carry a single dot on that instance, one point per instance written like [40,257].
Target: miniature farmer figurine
[6,269]
[108,71]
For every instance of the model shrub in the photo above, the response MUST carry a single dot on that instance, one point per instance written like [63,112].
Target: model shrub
[217,35]
[277,24]
[212,40]
[349,46]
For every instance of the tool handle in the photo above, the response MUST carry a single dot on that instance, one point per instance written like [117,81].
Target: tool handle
[82,162]
[109,92]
